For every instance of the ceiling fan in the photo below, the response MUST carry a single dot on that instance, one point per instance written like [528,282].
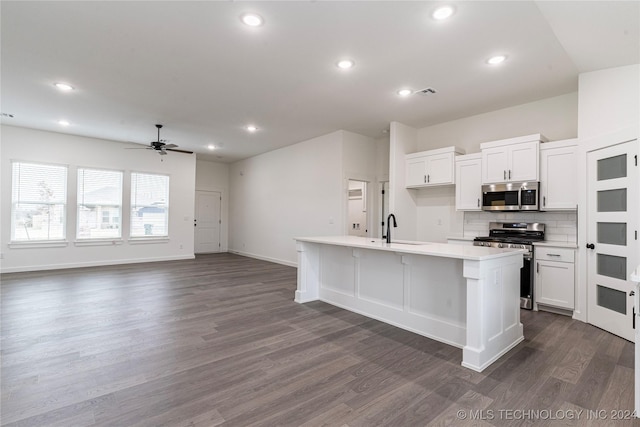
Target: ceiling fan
[162,147]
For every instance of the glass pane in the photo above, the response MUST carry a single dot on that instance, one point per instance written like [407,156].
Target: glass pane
[612,233]
[149,205]
[99,203]
[612,299]
[613,167]
[38,222]
[612,266]
[612,200]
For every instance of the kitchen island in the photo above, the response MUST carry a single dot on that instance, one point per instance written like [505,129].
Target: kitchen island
[465,296]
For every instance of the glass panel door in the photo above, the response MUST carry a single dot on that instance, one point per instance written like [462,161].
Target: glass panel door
[612,246]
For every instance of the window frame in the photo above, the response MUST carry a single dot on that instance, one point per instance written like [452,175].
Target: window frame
[133,207]
[49,242]
[79,204]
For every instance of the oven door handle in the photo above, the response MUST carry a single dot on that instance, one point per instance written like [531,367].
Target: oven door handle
[520,198]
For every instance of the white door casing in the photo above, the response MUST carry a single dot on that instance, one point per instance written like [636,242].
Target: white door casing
[612,236]
[207,222]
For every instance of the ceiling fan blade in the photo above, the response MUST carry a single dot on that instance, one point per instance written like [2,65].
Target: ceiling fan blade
[180,151]
[132,148]
[162,152]
[170,146]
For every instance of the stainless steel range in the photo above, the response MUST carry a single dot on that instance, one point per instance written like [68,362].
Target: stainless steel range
[519,235]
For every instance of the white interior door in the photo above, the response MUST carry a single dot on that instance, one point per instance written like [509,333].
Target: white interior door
[612,236]
[207,222]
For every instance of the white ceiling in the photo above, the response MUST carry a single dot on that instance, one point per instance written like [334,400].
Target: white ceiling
[194,67]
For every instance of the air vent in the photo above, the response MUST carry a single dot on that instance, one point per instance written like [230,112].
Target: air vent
[7,115]
[426,91]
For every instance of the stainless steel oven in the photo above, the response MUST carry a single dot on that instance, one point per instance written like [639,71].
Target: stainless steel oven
[518,235]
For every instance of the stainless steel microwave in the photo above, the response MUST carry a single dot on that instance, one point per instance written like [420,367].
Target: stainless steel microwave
[512,196]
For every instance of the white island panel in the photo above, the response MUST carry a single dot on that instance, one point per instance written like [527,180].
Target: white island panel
[380,285]
[337,270]
[466,298]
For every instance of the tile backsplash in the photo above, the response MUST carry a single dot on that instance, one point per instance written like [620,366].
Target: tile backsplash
[559,226]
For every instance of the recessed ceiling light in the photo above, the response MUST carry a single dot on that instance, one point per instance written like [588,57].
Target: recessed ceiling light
[252,19]
[63,86]
[63,123]
[251,128]
[405,92]
[345,64]
[443,12]
[211,147]
[495,60]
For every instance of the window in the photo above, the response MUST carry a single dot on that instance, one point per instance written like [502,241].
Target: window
[149,205]
[99,204]
[38,202]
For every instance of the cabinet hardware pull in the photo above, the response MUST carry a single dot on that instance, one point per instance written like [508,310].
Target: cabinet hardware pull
[537,267]
[591,246]
[633,322]
[632,293]
[553,255]
[544,200]
[636,231]
[509,173]
[425,179]
[428,178]
[504,175]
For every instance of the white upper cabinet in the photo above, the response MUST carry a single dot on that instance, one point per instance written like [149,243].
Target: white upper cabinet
[558,175]
[510,160]
[429,168]
[468,176]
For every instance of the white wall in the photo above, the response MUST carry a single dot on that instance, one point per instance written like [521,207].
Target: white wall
[213,176]
[48,147]
[357,209]
[402,202]
[556,118]
[359,162]
[609,101]
[299,190]
[609,113]
[436,214]
[291,192]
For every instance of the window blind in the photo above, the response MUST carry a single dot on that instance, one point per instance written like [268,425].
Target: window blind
[99,204]
[149,205]
[38,202]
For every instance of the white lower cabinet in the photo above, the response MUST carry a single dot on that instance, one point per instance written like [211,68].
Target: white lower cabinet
[554,282]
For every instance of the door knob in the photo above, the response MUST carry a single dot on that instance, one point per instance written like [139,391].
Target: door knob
[591,246]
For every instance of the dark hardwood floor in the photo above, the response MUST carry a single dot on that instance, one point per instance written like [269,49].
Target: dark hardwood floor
[219,341]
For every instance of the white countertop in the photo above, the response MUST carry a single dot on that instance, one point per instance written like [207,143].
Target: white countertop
[475,253]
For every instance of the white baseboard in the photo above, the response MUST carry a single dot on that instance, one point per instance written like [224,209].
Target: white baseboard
[264,258]
[92,264]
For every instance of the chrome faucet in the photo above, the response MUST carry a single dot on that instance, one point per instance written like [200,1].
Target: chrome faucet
[389,226]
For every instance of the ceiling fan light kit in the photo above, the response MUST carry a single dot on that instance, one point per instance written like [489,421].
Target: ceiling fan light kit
[161,147]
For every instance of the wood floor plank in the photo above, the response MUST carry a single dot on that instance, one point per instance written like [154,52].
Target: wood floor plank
[219,341]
